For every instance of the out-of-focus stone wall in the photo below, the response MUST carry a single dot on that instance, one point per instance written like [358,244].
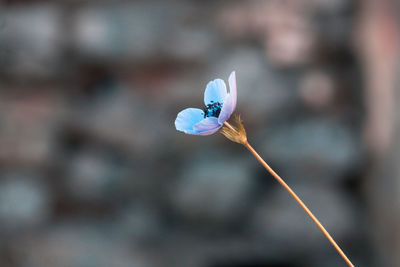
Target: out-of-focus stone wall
[93,172]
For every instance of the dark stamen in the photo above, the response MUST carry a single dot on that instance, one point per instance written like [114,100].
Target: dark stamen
[212,110]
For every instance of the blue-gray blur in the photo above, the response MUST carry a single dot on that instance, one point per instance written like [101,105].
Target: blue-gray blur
[93,172]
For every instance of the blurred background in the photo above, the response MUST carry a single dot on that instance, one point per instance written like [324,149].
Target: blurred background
[93,172]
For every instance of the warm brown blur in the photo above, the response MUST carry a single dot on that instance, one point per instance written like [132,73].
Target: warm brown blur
[93,172]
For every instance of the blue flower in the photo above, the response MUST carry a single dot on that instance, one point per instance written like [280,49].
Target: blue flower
[219,105]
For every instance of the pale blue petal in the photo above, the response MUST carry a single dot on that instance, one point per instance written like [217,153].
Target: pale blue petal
[233,89]
[215,92]
[207,126]
[229,105]
[226,110]
[187,118]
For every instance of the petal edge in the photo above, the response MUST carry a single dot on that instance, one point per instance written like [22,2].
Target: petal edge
[233,89]
[226,110]
[207,126]
[187,118]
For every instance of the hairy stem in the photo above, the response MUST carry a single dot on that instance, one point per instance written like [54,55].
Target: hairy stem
[227,124]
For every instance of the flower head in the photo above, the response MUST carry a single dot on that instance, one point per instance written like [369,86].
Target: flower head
[219,106]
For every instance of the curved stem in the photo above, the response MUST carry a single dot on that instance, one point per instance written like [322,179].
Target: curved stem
[299,201]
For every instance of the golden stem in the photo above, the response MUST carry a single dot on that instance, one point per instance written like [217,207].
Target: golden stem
[298,200]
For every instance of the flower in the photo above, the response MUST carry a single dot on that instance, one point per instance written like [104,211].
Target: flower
[219,106]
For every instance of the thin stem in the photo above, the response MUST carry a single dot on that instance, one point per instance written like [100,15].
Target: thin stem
[293,194]
[227,124]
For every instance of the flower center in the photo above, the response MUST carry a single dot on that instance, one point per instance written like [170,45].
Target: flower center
[212,110]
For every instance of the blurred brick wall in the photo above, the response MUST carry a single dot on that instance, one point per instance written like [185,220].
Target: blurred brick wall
[93,172]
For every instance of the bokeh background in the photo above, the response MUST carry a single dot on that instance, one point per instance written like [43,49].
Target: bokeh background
[93,172]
